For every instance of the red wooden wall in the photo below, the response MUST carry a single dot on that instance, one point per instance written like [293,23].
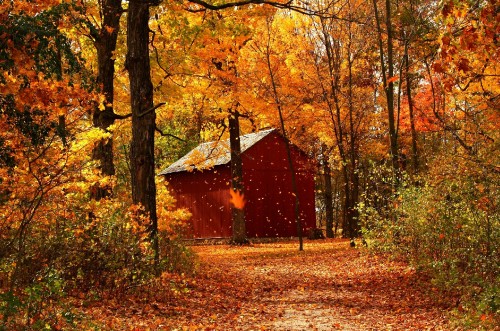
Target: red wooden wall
[268,188]
[206,195]
[269,211]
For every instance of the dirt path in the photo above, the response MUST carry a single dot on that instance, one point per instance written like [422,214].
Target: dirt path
[329,286]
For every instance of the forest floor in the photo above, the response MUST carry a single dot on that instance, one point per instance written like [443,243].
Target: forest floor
[273,286]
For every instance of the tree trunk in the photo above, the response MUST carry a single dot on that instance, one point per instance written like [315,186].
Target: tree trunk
[389,88]
[336,205]
[105,44]
[353,213]
[333,53]
[353,151]
[328,195]
[414,150]
[238,215]
[387,74]
[295,192]
[346,212]
[143,116]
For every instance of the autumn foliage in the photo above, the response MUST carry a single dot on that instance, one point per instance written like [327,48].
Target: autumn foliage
[398,101]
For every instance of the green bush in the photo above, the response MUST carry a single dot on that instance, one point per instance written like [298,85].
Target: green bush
[450,229]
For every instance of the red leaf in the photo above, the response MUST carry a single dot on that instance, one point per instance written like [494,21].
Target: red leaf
[392,79]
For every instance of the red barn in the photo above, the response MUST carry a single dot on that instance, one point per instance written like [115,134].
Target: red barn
[200,182]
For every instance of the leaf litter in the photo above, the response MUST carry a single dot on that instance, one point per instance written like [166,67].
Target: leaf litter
[273,286]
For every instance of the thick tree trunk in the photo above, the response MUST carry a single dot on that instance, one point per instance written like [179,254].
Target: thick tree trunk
[105,44]
[295,190]
[143,115]
[328,195]
[239,229]
[346,211]
[353,208]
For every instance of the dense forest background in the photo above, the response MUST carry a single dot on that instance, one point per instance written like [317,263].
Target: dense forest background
[398,101]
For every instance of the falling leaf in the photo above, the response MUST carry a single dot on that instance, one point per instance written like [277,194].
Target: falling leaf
[237,199]
[109,29]
[392,79]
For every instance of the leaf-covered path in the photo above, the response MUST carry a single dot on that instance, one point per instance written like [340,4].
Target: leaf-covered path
[273,286]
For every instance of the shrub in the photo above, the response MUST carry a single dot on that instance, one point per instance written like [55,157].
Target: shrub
[101,250]
[450,229]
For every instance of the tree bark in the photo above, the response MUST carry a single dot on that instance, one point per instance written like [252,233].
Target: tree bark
[238,215]
[414,149]
[143,116]
[336,205]
[105,44]
[387,74]
[328,195]
[353,149]
[389,88]
[344,145]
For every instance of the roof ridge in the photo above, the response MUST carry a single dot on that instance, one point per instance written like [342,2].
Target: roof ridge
[209,159]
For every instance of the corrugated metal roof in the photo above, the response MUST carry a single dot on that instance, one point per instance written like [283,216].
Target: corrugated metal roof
[211,154]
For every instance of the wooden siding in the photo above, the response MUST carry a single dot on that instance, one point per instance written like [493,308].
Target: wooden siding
[206,195]
[269,211]
[269,192]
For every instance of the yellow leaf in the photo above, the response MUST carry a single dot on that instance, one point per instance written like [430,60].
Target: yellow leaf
[353,311]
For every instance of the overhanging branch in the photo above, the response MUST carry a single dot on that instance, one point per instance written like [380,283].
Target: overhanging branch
[150,110]
[280,5]
[121,117]
[163,134]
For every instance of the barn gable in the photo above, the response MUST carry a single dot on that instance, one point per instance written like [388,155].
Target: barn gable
[269,211]
[214,153]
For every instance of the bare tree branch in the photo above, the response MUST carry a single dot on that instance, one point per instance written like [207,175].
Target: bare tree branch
[121,117]
[163,134]
[150,110]
[302,7]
